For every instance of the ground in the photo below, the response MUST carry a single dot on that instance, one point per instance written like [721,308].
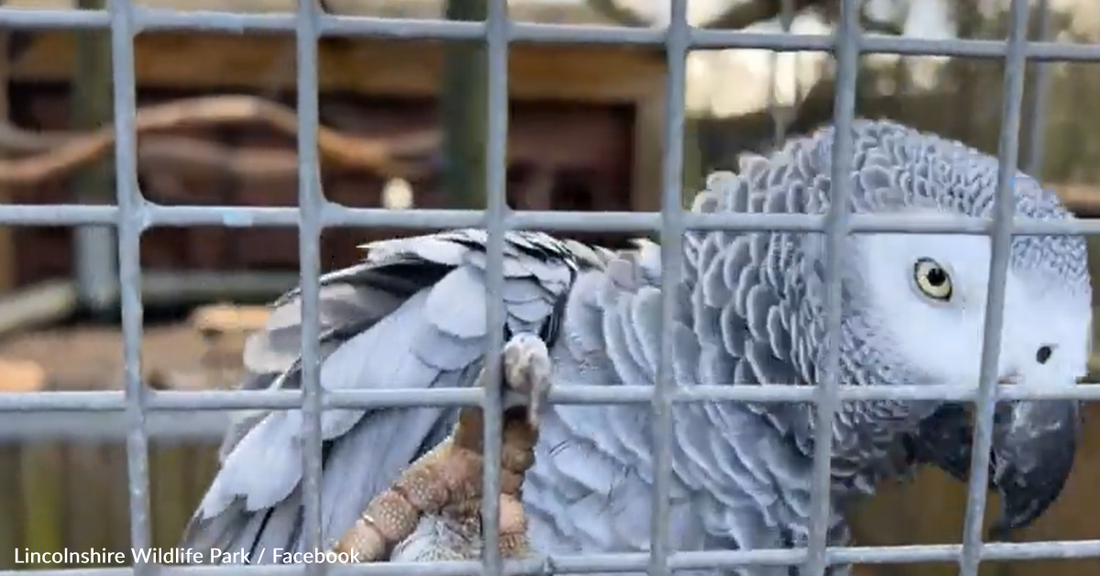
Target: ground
[91,356]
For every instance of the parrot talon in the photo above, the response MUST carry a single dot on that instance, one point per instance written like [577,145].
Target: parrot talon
[527,374]
[432,511]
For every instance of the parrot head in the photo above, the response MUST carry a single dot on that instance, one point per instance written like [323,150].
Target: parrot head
[937,287]
[915,312]
[913,309]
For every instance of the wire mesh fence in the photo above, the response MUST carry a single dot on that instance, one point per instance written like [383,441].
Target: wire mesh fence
[132,215]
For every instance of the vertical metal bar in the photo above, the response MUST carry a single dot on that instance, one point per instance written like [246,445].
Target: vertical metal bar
[677,39]
[310,203]
[847,37]
[1004,209]
[1038,116]
[496,50]
[129,257]
[781,120]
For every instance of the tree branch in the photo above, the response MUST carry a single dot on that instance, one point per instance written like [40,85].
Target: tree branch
[744,14]
[57,153]
[740,14]
[618,13]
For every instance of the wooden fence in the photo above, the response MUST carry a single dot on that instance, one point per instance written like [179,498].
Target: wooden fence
[61,492]
[73,494]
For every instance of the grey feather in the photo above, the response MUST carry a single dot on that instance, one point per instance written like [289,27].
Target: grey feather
[748,311]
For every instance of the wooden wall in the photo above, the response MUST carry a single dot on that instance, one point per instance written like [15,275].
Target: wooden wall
[586,148]
[74,496]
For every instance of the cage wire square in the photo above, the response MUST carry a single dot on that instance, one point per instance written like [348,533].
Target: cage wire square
[132,215]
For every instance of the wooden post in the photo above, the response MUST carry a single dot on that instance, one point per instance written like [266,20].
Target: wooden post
[33,502]
[7,236]
[91,105]
[692,179]
[463,111]
[15,377]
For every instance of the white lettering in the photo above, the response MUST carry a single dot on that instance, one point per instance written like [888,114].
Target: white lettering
[70,557]
[240,556]
[282,556]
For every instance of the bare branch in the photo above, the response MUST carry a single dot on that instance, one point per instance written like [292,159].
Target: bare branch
[58,153]
[740,14]
[744,14]
[618,13]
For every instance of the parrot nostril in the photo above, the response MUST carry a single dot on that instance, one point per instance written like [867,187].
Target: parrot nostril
[1044,353]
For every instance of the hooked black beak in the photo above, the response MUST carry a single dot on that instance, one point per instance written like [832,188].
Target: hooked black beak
[1034,444]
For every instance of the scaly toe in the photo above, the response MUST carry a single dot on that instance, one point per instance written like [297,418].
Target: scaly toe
[527,371]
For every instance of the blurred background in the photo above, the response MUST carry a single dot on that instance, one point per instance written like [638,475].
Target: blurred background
[404,126]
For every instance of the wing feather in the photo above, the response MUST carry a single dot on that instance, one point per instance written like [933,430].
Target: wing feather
[411,315]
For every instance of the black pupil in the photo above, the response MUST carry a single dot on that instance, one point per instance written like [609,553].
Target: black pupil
[936,277]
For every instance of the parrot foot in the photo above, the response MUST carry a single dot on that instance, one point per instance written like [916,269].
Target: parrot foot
[526,375]
[433,510]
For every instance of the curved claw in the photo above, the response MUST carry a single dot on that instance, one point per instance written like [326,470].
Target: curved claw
[432,512]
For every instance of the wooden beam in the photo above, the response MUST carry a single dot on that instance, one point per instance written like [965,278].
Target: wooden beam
[1082,199]
[21,376]
[375,67]
[228,318]
[521,11]
[225,63]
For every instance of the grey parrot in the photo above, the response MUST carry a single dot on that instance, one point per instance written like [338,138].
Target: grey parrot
[749,310]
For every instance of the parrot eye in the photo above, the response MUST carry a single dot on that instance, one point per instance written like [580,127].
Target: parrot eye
[932,279]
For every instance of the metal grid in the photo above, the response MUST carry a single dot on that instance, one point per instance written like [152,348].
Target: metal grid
[133,214]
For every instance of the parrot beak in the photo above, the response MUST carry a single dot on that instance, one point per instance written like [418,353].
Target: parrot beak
[944,440]
[1034,443]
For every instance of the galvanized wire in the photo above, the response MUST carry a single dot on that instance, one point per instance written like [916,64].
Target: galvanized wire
[310,204]
[129,269]
[133,215]
[497,24]
[1004,207]
[672,249]
[848,36]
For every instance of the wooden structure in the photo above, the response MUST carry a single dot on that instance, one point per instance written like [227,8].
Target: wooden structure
[584,127]
[58,494]
[588,116]
[74,494]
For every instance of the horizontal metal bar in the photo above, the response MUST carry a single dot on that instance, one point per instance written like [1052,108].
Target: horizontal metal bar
[53,19]
[57,215]
[335,215]
[400,28]
[152,215]
[634,562]
[104,427]
[564,393]
[159,19]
